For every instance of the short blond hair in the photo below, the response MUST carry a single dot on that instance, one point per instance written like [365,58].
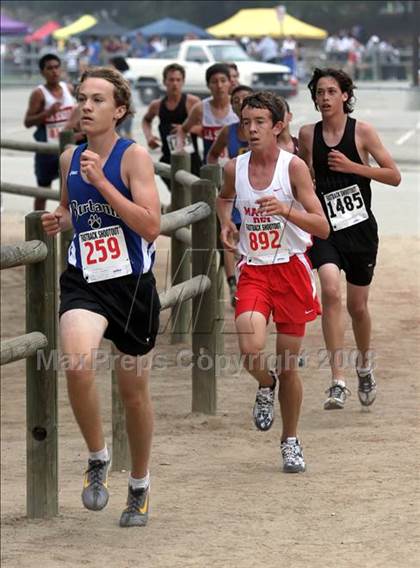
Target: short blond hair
[122,90]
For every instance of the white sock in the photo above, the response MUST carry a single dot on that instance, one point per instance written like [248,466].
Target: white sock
[139,483]
[291,440]
[339,382]
[102,455]
[363,372]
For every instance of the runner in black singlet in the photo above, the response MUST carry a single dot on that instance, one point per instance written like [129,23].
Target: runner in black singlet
[337,150]
[171,109]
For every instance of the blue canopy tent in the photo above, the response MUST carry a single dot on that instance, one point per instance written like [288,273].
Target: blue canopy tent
[105,28]
[171,28]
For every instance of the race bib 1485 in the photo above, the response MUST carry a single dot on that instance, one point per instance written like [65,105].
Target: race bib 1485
[345,207]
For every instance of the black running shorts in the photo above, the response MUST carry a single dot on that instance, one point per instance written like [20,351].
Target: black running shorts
[358,265]
[113,300]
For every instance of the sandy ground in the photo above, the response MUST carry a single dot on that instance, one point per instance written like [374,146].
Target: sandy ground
[219,498]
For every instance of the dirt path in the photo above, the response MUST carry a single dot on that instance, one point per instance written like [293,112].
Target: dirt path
[219,499]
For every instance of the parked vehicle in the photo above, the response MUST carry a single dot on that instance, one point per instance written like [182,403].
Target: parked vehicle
[196,56]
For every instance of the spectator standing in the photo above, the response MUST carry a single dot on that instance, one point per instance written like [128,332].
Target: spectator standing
[267,49]
[289,52]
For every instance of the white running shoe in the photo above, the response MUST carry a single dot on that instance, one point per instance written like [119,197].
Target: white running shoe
[337,394]
[367,389]
[291,452]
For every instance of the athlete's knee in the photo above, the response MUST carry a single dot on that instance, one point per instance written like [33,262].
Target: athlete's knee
[253,360]
[358,310]
[134,393]
[79,364]
[135,400]
[251,347]
[331,295]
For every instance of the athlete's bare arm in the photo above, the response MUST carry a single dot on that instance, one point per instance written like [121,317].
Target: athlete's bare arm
[36,114]
[60,219]
[191,101]
[312,220]
[368,141]
[216,149]
[194,118]
[146,124]
[306,136]
[142,214]
[74,124]
[224,205]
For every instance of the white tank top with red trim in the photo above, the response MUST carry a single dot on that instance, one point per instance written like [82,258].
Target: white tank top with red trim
[55,123]
[212,125]
[267,239]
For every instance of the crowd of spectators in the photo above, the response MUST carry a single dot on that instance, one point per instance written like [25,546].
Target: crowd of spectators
[347,49]
[77,54]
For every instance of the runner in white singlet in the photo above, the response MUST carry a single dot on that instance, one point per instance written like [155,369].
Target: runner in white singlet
[279,211]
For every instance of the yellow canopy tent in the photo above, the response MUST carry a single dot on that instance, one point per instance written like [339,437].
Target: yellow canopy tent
[83,23]
[256,22]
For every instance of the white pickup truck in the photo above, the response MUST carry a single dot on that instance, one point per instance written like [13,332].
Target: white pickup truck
[196,56]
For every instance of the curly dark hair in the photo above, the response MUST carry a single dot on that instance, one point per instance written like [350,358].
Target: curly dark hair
[122,91]
[268,100]
[344,82]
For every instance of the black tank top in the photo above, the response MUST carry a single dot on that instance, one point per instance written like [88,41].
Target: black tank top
[326,179]
[167,118]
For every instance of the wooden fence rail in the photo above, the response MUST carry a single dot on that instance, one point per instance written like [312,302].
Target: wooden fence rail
[31,146]
[193,254]
[30,191]
[22,253]
[38,254]
[21,347]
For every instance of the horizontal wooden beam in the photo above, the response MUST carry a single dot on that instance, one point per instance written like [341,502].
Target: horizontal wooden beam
[23,146]
[25,252]
[21,347]
[18,189]
[183,234]
[184,217]
[186,178]
[163,170]
[184,291]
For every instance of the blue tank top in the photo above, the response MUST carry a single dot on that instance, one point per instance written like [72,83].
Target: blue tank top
[235,148]
[90,211]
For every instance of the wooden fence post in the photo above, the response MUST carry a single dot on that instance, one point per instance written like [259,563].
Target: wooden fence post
[213,172]
[180,253]
[41,379]
[204,330]
[66,138]
[120,449]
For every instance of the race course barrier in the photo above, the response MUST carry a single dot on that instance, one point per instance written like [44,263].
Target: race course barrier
[192,228]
